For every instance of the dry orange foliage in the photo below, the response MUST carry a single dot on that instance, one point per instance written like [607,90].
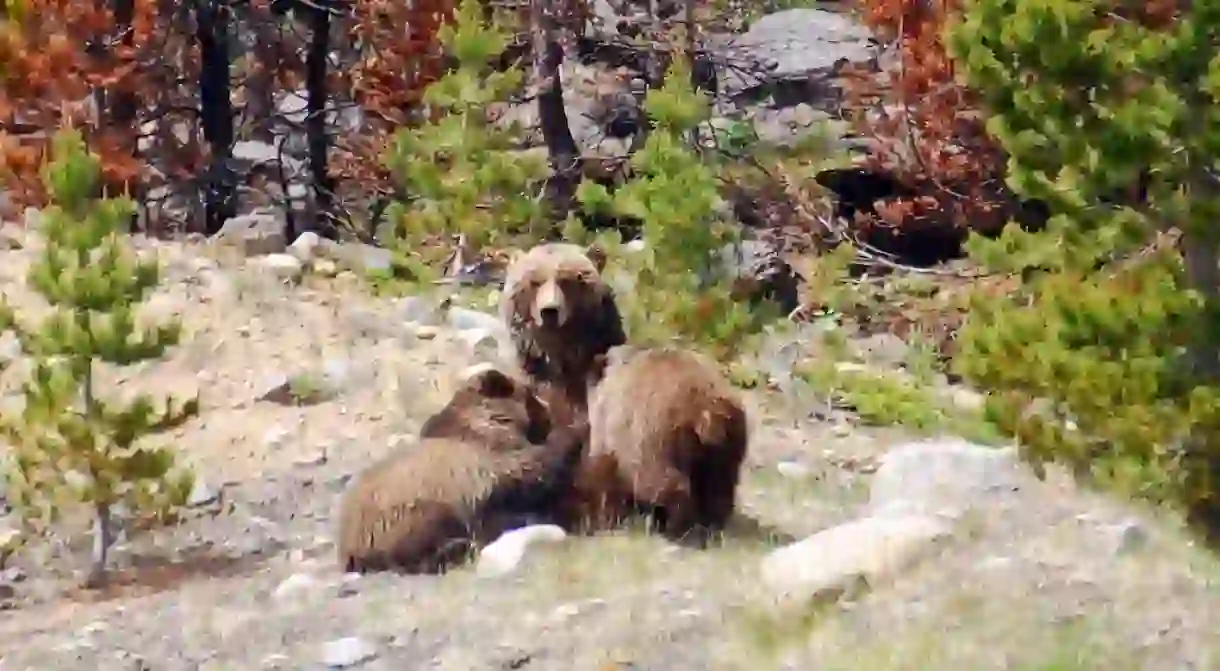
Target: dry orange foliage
[47,78]
[927,128]
[390,80]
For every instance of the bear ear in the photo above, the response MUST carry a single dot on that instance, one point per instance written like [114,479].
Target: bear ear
[494,383]
[597,255]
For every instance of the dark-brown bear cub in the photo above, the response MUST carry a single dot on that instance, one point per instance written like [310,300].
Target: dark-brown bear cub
[489,461]
[561,315]
[668,435]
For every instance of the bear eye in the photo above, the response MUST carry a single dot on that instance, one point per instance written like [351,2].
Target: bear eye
[502,419]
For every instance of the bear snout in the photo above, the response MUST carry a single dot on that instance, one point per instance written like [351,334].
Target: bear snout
[549,308]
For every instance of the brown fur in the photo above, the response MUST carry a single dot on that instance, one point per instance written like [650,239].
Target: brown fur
[667,433]
[561,316]
[485,463]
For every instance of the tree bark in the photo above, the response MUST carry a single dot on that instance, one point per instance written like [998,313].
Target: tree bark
[315,122]
[212,34]
[103,539]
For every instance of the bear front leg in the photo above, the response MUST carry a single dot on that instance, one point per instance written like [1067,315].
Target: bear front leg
[597,499]
[668,489]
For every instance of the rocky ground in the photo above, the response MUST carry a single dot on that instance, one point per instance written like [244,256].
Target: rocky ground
[946,554]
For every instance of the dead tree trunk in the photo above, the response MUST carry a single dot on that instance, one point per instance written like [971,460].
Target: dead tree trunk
[216,111]
[315,123]
[564,155]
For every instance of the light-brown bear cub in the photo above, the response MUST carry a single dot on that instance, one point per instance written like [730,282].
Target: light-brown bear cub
[561,316]
[490,460]
[668,435]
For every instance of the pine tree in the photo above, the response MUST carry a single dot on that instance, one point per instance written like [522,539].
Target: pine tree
[464,174]
[68,444]
[1116,332]
[674,192]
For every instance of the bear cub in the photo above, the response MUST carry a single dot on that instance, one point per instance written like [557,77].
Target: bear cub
[668,435]
[485,463]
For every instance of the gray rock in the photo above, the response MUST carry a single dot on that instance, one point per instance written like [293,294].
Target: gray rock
[10,348]
[944,477]
[357,256]
[804,45]
[418,310]
[305,246]
[503,556]
[790,468]
[294,584]
[882,349]
[837,561]
[284,267]
[785,126]
[464,319]
[257,233]
[760,262]
[202,494]
[344,653]
[255,152]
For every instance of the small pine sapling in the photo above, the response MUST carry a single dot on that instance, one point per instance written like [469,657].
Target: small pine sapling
[678,288]
[464,174]
[67,444]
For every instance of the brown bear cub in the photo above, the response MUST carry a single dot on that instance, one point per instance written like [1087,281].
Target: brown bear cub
[490,460]
[561,316]
[668,435]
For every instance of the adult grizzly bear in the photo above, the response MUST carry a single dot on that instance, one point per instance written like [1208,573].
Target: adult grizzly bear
[561,315]
[667,434]
[488,461]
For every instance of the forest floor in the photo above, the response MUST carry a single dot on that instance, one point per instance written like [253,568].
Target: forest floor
[1044,577]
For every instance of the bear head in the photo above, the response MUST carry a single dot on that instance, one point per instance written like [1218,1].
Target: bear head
[559,309]
[492,409]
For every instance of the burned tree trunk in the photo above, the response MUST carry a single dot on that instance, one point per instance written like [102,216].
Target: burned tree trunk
[315,123]
[216,112]
[564,155]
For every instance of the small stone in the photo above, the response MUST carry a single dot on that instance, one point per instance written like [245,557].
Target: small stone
[966,399]
[304,246]
[274,437]
[283,266]
[463,319]
[504,555]
[793,469]
[417,310]
[294,583]
[325,268]
[202,494]
[566,612]
[358,257]
[344,653]
[255,234]
[10,348]
[1131,535]
[318,459]
[426,332]
[277,661]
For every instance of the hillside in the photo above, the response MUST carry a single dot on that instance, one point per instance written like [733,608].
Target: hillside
[1011,574]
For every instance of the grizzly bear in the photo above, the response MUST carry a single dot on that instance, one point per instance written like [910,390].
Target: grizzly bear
[490,460]
[561,315]
[667,435]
